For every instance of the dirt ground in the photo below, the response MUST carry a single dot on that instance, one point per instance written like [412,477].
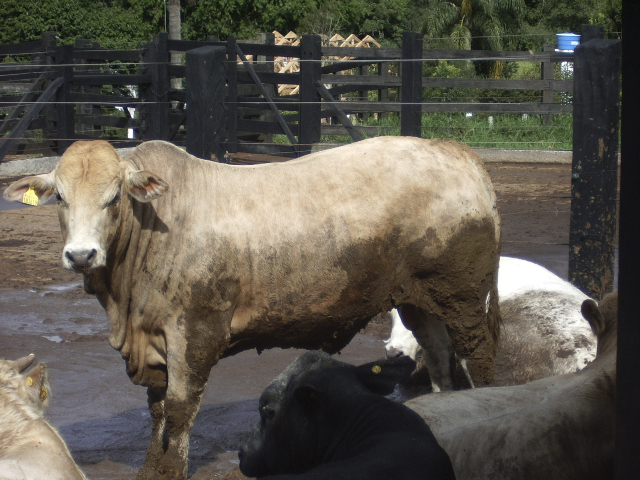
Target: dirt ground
[103,417]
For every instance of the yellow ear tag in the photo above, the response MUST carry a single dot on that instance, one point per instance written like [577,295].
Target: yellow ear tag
[376,369]
[43,393]
[30,197]
[30,381]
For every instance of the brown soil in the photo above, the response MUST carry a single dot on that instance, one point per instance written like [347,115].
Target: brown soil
[103,417]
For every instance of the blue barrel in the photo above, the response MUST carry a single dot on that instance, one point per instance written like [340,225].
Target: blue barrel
[568,41]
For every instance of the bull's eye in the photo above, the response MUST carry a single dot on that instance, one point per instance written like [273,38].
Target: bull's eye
[59,199]
[114,200]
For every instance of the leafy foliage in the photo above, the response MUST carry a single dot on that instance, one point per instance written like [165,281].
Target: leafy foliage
[113,23]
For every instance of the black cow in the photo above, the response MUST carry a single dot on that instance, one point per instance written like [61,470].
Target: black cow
[325,419]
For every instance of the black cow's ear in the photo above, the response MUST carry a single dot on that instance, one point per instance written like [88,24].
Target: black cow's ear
[308,395]
[381,377]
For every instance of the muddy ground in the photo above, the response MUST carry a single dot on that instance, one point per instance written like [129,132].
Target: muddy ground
[103,417]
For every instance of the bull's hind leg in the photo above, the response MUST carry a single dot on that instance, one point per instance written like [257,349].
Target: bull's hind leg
[457,331]
[433,337]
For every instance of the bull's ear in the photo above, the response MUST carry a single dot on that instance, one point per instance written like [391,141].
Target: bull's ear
[381,377]
[593,315]
[144,186]
[41,186]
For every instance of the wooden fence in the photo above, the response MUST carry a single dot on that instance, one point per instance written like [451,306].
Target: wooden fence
[70,92]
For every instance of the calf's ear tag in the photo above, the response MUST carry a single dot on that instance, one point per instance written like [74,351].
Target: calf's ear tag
[30,197]
[376,369]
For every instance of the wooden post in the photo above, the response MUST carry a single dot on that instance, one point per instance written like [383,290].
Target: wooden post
[591,32]
[383,93]
[310,107]
[206,96]
[65,112]
[411,93]
[84,109]
[547,73]
[155,109]
[627,460]
[50,47]
[232,94]
[594,184]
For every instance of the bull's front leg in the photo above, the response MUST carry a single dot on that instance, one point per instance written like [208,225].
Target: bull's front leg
[190,357]
[156,449]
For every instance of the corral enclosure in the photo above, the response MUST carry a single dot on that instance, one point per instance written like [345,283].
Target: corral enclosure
[305,90]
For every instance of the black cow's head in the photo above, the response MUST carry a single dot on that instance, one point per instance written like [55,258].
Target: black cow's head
[305,408]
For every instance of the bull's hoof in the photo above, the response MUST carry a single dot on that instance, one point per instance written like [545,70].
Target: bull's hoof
[160,473]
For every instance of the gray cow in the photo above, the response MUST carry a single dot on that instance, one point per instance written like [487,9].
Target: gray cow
[195,260]
[556,428]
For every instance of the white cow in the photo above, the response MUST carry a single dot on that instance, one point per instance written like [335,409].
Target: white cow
[543,332]
[555,428]
[195,260]
[30,448]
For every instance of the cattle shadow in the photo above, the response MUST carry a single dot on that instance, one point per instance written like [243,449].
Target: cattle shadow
[120,442]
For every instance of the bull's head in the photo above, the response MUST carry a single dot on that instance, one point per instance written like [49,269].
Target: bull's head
[92,185]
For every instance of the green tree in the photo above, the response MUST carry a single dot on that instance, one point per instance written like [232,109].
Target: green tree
[477,24]
[114,23]
[568,15]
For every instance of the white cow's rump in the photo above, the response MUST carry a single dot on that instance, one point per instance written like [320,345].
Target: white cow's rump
[194,260]
[543,332]
[30,448]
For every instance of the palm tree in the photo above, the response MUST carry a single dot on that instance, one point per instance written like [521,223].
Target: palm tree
[481,24]
[477,24]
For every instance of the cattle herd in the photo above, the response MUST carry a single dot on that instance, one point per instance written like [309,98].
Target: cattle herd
[195,260]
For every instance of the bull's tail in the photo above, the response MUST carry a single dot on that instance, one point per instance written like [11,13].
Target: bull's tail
[494,320]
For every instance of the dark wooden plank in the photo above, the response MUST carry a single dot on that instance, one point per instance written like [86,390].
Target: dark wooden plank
[154,111]
[25,121]
[594,184]
[206,88]
[21,48]
[269,149]
[261,126]
[103,55]
[374,81]
[335,107]
[411,91]
[270,77]
[106,100]
[110,79]
[105,121]
[310,64]
[627,425]
[285,127]
[65,110]
[22,105]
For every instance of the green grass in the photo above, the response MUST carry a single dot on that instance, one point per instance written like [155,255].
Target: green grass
[506,130]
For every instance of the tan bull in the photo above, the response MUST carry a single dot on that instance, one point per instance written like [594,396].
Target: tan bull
[195,260]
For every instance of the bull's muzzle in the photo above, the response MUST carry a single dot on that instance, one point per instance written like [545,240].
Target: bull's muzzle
[81,258]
